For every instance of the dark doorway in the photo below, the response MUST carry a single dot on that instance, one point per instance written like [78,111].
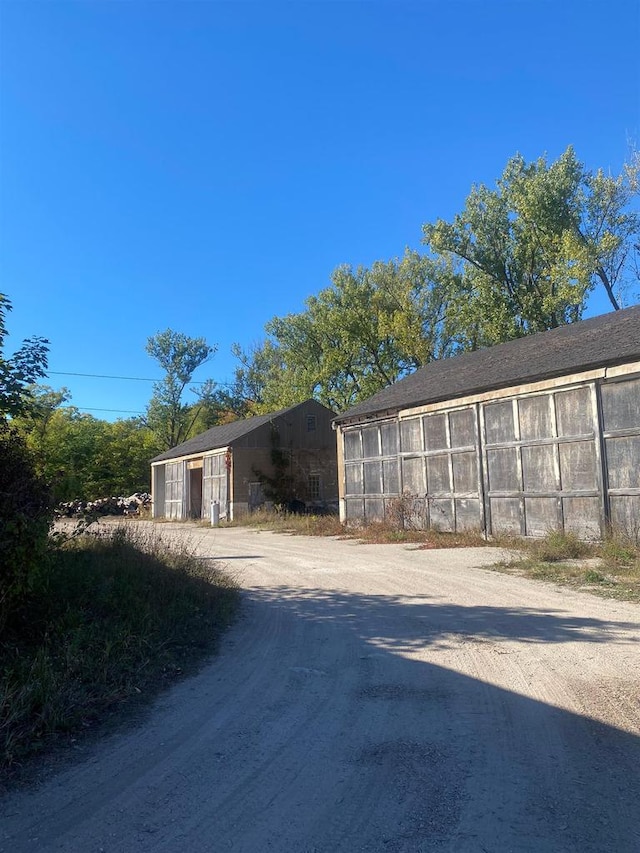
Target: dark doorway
[195,493]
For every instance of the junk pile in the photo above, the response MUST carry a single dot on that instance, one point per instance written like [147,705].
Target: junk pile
[132,505]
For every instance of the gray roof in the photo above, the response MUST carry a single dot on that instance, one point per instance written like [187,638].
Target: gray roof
[221,436]
[602,341]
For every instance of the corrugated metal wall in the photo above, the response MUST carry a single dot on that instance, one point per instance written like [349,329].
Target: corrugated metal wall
[567,458]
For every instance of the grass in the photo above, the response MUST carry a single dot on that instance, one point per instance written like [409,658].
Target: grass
[610,568]
[118,618]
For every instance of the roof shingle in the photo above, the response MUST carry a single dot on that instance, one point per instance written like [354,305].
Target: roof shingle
[602,341]
[220,436]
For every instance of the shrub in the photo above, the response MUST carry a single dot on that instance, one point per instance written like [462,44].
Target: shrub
[25,518]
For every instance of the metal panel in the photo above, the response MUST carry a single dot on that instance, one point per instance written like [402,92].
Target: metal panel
[502,470]
[574,412]
[389,438]
[538,469]
[581,517]
[390,477]
[542,515]
[578,466]
[435,432]
[465,472]
[174,490]
[499,422]
[215,481]
[621,428]
[373,478]
[441,514]
[438,475]
[352,445]
[462,425]
[354,509]
[354,481]
[540,465]
[468,514]
[413,479]
[535,417]
[370,442]
[621,405]
[374,509]
[411,435]
[506,515]
[623,457]
[625,514]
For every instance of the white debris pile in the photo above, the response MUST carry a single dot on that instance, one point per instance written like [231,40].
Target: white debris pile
[132,505]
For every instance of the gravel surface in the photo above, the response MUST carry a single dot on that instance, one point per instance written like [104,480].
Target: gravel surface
[370,698]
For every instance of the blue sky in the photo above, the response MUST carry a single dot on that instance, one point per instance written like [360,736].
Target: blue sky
[205,166]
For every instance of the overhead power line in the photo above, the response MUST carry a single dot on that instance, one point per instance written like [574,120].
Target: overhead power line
[90,409]
[128,378]
[101,376]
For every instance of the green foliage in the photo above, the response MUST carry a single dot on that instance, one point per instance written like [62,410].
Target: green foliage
[279,486]
[26,366]
[25,517]
[84,457]
[530,251]
[179,356]
[262,383]
[365,331]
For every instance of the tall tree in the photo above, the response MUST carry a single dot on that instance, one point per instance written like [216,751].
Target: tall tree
[365,331]
[530,251]
[179,356]
[21,370]
[259,385]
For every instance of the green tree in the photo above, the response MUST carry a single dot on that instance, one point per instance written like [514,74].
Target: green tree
[365,331]
[87,458]
[21,370]
[25,502]
[171,419]
[530,251]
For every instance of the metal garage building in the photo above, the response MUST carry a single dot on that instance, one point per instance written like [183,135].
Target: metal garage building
[227,464]
[536,434]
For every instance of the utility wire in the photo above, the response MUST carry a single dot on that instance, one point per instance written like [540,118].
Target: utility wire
[101,376]
[89,409]
[129,378]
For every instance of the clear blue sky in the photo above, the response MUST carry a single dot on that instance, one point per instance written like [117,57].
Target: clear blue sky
[205,166]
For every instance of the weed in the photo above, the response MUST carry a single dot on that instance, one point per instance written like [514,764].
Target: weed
[557,546]
[610,568]
[120,616]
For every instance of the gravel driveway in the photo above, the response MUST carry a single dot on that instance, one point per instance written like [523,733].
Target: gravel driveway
[371,698]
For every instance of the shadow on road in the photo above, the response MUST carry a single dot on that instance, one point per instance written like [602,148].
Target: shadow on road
[467,765]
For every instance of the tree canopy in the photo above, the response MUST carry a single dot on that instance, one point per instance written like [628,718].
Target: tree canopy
[21,370]
[171,419]
[370,327]
[530,251]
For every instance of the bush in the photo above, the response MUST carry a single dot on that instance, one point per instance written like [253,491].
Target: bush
[25,517]
[121,616]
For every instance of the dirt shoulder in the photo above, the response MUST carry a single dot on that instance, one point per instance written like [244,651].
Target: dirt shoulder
[371,698]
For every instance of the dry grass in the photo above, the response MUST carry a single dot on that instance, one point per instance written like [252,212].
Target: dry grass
[118,617]
[379,533]
[610,568]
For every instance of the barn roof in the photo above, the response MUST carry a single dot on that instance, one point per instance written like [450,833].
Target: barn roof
[224,435]
[602,341]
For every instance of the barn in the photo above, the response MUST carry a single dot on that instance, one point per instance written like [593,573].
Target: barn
[286,456]
[525,437]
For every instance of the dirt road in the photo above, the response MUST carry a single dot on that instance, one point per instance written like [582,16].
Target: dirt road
[371,698]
